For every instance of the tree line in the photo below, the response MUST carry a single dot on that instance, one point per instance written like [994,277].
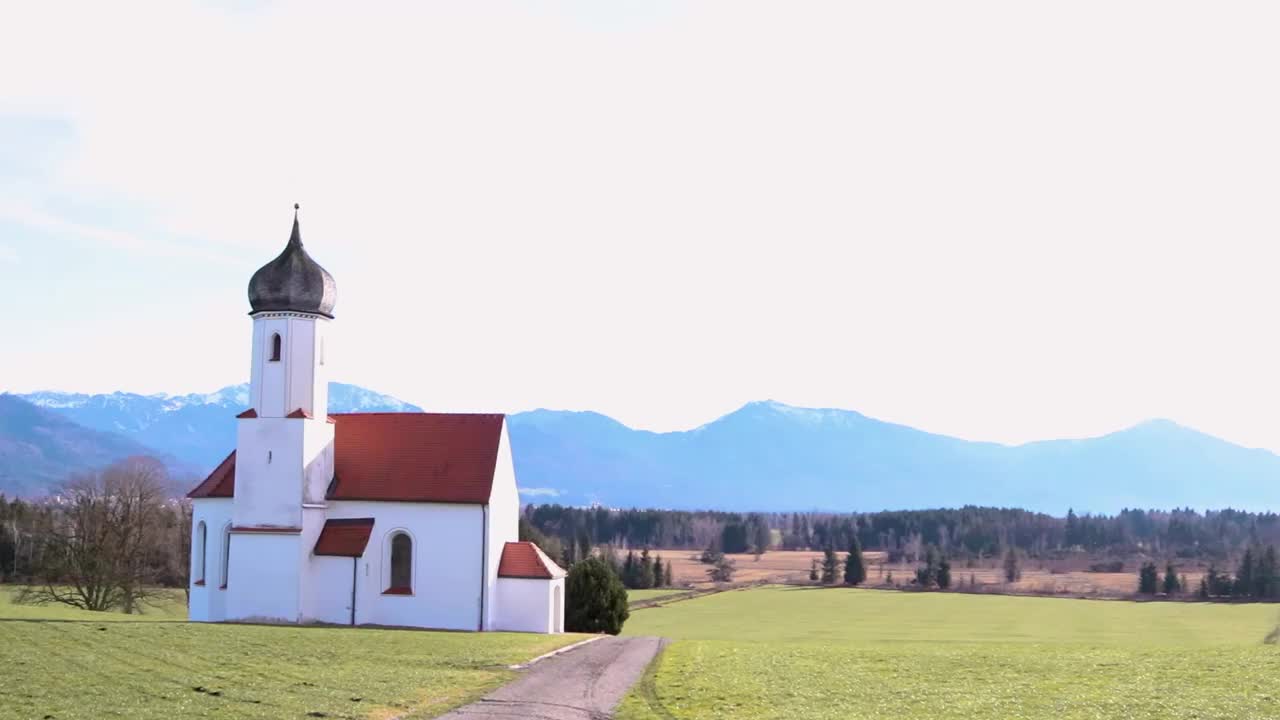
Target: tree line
[965,533]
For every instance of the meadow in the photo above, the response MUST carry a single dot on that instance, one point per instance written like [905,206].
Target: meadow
[795,652]
[1068,577]
[64,663]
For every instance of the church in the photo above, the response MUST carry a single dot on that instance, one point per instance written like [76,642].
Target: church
[391,519]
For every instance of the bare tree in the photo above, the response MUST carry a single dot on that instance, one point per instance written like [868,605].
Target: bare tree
[102,551]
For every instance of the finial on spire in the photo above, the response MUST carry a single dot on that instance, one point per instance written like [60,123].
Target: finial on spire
[295,238]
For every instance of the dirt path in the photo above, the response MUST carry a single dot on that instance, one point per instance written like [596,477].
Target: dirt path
[582,684]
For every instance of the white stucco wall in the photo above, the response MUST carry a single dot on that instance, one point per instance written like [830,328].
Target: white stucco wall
[529,605]
[503,522]
[208,603]
[281,463]
[330,598]
[299,379]
[447,569]
[264,583]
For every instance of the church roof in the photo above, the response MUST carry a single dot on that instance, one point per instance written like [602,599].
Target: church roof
[293,282]
[526,560]
[402,457]
[346,537]
[221,483]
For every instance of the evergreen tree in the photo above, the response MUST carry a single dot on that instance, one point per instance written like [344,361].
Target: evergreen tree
[629,570]
[1266,575]
[830,566]
[1171,584]
[1012,566]
[888,578]
[657,572]
[644,571]
[813,570]
[595,600]
[1148,579]
[944,573]
[1244,575]
[666,576]
[1072,533]
[855,568]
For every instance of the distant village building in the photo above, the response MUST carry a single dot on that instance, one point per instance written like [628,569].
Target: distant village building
[405,519]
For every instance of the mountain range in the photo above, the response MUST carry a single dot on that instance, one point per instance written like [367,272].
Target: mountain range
[766,455]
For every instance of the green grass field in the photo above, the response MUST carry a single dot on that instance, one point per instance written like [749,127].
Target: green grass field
[635,596]
[839,653]
[66,664]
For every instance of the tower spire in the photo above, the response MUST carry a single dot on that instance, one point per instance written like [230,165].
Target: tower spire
[296,237]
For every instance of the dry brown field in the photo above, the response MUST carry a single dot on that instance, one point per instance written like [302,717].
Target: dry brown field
[788,566]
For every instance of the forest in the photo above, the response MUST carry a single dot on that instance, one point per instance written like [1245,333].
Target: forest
[966,533]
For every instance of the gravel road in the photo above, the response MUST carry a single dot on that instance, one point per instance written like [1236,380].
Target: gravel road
[583,684]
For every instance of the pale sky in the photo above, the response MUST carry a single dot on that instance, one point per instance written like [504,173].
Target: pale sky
[998,220]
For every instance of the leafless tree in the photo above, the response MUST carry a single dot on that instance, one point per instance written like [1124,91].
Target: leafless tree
[104,549]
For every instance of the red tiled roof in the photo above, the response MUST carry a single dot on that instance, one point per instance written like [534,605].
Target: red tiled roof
[299,414]
[345,537]
[405,457]
[250,413]
[526,560]
[415,457]
[221,483]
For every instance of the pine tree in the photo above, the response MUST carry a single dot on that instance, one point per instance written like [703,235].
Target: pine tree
[1266,575]
[1244,575]
[657,572]
[1171,584]
[1073,529]
[644,571]
[666,576]
[813,570]
[1148,579]
[830,566]
[629,570]
[1012,567]
[944,573]
[855,568]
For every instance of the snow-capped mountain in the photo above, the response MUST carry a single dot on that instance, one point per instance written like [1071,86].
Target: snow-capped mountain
[194,428]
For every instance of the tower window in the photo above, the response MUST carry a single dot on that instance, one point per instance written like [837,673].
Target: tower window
[275,347]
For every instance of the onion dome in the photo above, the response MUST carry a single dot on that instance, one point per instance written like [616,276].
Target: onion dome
[293,282]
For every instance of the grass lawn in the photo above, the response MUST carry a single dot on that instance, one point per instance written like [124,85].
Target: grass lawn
[635,596]
[840,653]
[66,664]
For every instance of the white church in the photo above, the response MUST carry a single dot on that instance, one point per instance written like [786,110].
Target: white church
[394,519]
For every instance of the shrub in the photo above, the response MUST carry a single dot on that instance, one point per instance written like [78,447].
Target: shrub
[596,599]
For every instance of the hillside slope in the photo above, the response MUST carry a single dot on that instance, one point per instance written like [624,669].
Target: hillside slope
[39,448]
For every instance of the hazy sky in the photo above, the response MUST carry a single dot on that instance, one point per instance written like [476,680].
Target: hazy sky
[998,220]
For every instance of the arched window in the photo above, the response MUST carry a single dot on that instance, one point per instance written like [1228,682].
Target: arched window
[197,572]
[401,565]
[226,554]
[275,347]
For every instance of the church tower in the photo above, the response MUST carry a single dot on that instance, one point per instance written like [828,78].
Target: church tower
[284,445]
[284,441]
